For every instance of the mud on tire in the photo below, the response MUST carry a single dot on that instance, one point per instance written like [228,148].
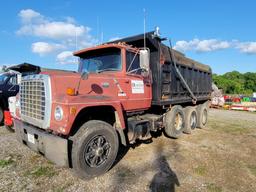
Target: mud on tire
[202,115]
[174,122]
[94,149]
[190,119]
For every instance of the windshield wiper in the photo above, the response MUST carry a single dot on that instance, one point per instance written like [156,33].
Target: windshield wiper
[107,69]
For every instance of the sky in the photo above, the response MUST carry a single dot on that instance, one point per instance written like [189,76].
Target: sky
[219,33]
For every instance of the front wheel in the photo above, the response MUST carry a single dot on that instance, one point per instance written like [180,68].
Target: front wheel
[94,150]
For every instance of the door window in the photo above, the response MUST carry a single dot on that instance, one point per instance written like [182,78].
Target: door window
[132,63]
[12,80]
[3,78]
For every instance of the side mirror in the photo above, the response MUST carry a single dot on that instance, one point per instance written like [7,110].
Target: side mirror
[84,75]
[144,59]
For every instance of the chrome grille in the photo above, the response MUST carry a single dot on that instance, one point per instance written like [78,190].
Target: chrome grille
[35,100]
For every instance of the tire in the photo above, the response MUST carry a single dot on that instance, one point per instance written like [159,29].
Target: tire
[174,122]
[94,150]
[1,116]
[202,115]
[190,119]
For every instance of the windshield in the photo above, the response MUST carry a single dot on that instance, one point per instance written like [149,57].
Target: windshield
[100,60]
[3,78]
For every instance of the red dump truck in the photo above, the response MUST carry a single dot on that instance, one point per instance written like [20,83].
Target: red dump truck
[122,92]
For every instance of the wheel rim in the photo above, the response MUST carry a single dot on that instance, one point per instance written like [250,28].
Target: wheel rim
[96,151]
[193,120]
[204,119]
[178,121]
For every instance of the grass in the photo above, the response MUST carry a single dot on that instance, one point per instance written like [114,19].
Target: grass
[252,169]
[211,187]
[236,129]
[64,187]
[5,162]
[200,170]
[230,128]
[60,189]
[42,171]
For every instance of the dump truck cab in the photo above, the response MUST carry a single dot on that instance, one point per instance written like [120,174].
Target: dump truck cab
[115,72]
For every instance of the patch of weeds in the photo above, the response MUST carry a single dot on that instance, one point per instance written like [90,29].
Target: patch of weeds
[63,188]
[211,187]
[42,171]
[200,170]
[252,169]
[60,189]
[234,129]
[34,158]
[6,162]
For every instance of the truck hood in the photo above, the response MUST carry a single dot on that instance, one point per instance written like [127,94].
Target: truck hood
[60,82]
[92,87]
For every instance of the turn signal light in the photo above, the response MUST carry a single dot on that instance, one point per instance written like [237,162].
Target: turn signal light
[71,91]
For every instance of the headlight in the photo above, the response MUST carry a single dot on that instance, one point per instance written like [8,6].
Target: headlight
[58,114]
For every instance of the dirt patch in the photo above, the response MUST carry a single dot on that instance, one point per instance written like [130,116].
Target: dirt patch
[221,157]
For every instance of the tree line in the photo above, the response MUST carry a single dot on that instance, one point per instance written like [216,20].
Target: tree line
[236,83]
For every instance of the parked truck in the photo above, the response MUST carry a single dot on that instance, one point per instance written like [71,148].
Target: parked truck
[123,91]
[9,87]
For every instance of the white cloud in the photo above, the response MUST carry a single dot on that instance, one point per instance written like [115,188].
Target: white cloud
[66,33]
[202,45]
[66,57]
[43,48]
[247,47]
[35,24]
[29,15]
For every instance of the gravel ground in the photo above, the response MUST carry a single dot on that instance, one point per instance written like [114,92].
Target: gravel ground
[221,157]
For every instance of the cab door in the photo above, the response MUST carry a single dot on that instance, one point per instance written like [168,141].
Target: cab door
[138,86]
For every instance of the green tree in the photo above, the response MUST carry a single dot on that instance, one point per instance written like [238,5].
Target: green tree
[236,83]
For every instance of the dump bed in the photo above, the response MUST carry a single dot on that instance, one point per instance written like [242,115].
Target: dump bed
[168,88]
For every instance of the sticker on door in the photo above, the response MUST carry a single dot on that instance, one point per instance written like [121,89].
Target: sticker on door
[137,86]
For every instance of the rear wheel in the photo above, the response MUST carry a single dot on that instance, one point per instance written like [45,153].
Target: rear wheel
[174,122]
[190,119]
[202,117]
[1,116]
[95,148]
